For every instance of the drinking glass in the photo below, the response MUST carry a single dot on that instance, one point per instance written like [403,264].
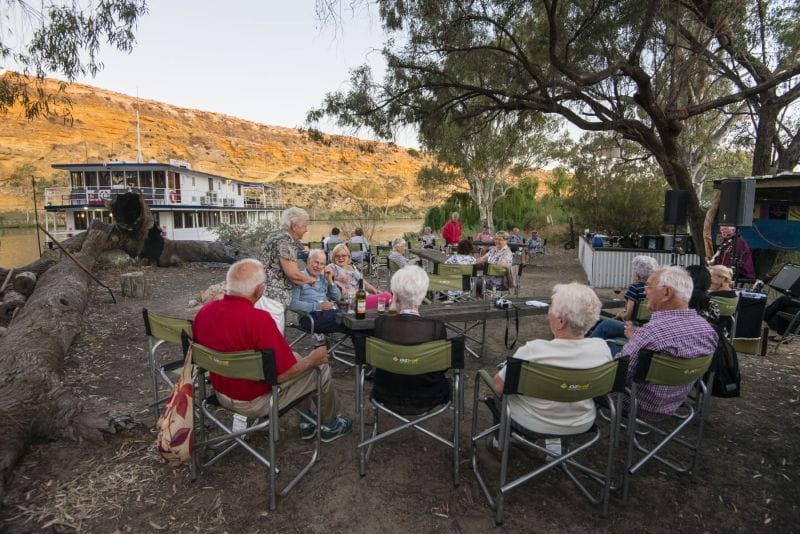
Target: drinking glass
[381,305]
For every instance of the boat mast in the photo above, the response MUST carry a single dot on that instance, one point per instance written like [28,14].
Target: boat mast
[139,158]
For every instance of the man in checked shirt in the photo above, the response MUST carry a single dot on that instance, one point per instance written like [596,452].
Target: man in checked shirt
[673,328]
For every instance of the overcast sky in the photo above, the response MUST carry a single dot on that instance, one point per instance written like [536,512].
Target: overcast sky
[268,61]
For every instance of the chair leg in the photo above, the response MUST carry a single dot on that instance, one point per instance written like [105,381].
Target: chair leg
[457,399]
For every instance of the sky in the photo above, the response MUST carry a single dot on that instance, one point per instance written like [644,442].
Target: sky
[268,61]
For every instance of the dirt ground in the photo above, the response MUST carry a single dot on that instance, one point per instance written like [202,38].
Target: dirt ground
[748,480]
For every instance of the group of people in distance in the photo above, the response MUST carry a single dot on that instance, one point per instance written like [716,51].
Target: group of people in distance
[251,315]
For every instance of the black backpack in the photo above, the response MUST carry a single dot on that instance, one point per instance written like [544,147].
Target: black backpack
[725,364]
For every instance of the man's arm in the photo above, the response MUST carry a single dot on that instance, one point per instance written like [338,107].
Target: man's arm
[294,274]
[315,358]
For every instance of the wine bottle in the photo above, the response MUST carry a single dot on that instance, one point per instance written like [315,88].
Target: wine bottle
[361,300]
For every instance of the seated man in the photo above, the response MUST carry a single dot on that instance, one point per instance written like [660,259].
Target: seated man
[574,308]
[673,328]
[400,392]
[334,239]
[234,324]
[515,238]
[317,299]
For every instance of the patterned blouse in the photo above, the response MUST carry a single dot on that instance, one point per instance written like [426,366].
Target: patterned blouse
[277,286]
[460,259]
[346,277]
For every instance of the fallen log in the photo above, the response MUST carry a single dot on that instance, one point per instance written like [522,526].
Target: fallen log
[34,404]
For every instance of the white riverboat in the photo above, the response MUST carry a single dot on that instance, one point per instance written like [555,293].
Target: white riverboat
[187,204]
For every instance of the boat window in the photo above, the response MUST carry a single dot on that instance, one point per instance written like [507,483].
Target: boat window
[80,220]
[160,181]
[241,217]
[104,179]
[90,178]
[76,178]
[177,219]
[130,179]
[146,178]
[210,184]
[117,178]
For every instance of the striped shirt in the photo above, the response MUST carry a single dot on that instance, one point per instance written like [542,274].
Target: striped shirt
[635,292]
[681,333]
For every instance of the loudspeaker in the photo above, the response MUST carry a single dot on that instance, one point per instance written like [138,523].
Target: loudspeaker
[675,203]
[787,280]
[736,200]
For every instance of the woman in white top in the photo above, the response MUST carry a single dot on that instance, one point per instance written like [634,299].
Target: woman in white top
[499,254]
[463,255]
[573,310]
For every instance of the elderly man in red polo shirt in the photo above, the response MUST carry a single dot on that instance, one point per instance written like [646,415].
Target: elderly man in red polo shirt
[234,324]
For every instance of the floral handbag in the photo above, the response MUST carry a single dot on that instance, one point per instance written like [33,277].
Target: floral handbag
[174,441]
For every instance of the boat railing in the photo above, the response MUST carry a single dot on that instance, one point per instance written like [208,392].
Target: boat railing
[159,196]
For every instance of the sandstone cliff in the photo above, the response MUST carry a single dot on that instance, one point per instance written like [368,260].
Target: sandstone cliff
[312,167]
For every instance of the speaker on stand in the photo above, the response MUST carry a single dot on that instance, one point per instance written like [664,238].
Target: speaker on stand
[736,200]
[675,208]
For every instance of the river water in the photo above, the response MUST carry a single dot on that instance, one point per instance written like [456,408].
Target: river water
[18,246]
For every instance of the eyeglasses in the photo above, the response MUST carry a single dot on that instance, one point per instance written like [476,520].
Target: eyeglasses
[341,256]
[653,286]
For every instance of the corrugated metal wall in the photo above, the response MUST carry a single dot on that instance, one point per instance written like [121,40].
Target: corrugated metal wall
[611,267]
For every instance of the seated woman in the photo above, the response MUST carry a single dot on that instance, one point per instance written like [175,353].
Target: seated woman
[428,239]
[397,255]
[700,300]
[401,392]
[779,325]
[721,282]
[574,308]
[499,254]
[463,255]
[642,267]
[534,246]
[346,277]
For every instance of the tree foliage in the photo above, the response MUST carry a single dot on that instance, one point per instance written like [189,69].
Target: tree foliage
[64,38]
[614,195]
[631,68]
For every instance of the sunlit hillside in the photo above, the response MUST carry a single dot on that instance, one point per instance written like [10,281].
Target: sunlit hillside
[312,166]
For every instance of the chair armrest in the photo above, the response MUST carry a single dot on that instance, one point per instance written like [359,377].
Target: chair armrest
[484,376]
[287,383]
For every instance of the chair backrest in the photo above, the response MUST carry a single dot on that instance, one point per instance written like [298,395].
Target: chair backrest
[563,385]
[667,370]
[415,359]
[393,266]
[496,270]
[726,305]
[162,327]
[453,269]
[256,365]
[641,311]
[355,247]
[443,282]
[314,245]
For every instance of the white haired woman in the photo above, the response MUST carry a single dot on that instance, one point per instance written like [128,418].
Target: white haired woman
[397,255]
[346,276]
[574,308]
[641,268]
[499,254]
[279,257]
[401,392]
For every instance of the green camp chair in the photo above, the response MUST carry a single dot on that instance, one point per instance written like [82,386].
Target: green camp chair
[161,329]
[417,359]
[666,370]
[727,312]
[641,312]
[557,385]
[250,365]
[338,342]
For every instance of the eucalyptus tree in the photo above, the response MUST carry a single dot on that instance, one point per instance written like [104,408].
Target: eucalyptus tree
[38,39]
[622,67]
[484,157]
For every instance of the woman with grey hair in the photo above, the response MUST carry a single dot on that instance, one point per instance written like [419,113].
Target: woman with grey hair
[282,272]
[574,308]
[397,255]
[404,393]
[641,269]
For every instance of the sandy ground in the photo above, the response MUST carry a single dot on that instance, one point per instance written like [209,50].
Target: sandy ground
[748,479]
